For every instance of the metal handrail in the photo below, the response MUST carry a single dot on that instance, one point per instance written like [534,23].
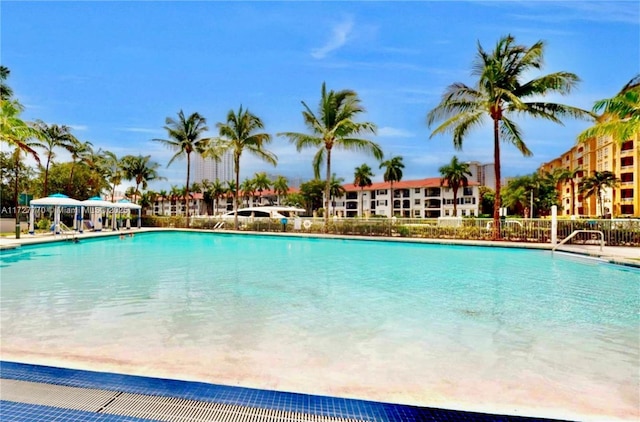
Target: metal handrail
[575,232]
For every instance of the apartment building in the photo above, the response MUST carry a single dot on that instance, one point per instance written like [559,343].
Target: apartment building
[601,154]
[422,198]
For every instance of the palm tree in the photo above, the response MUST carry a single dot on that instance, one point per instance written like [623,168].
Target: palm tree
[281,187]
[114,171]
[334,127]
[392,173]
[185,137]
[51,137]
[163,195]
[239,134]
[620,117]
[596,184]
[261,182]
[5,90]
[14,131]
[79,152]
[232,188]
[455,174]
[362,179]
[336,190]
[563,175]
[174,194]
[141,170]
[500,92]
[217,191]
[248,189]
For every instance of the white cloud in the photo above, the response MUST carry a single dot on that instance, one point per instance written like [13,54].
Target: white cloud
[392,132]
[140,130]
[338,38]
[79,127]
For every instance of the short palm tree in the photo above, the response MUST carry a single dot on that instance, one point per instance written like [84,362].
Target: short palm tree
[336,190]
[334,127]
[362,179]
[392,173]
[261,182]
[596,184]
[186,136]
[499,93]
[80,151]
[281,188]
[163,195]
[620,115]
[455,175]
[563,175]
[238,134]
[51,137]
[217,191]
[248,188]
[141,170]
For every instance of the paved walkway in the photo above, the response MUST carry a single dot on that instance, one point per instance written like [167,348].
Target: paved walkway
[625,255]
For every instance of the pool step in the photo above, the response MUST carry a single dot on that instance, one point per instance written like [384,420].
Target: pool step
[146,406]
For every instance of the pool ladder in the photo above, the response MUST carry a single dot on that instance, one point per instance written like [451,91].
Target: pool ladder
[575,232]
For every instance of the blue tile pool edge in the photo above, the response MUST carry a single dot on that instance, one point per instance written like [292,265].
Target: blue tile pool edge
[244,396]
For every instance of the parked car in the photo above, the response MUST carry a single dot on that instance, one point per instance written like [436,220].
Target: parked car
[263,213]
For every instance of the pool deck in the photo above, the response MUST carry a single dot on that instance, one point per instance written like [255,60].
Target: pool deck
[622,255]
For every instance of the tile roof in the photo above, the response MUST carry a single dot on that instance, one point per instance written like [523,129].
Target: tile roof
[429,182]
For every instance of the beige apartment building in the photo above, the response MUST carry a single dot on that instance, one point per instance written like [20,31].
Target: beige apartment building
[601,154]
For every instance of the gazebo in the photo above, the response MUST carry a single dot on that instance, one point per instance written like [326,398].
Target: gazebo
[125,204]
[96,206]
[59,202]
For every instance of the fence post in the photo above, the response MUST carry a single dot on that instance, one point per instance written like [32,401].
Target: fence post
[554,225]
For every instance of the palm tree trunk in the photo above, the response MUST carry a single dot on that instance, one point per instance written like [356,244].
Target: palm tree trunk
[46,178]
[186,189]
[455,202]
[573,198]
[361,202]
[391,192]
[235,193]
[326,191]
[496,160]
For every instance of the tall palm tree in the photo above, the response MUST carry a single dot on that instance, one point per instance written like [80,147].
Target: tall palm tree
[362,179]
[392,173]
[336,190]
[185,137]
[238,134]
[141,170]
[334,127]
[261,182]
[51,137]
[455,174]
[596,184]
[114,170]
[500,92]
[281,188]
[620,117]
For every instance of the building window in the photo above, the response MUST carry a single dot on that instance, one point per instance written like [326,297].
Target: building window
[381,192]
[417,190]
[416,202]
[467,191]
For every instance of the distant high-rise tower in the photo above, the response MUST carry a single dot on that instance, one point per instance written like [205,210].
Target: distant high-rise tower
[212,170]
[483,173]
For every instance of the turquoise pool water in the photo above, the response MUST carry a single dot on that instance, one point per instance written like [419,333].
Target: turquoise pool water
[424,324]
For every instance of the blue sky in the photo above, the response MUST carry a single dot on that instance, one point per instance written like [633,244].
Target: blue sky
[114,71]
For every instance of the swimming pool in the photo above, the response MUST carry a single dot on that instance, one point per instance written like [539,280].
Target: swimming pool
[461,327]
